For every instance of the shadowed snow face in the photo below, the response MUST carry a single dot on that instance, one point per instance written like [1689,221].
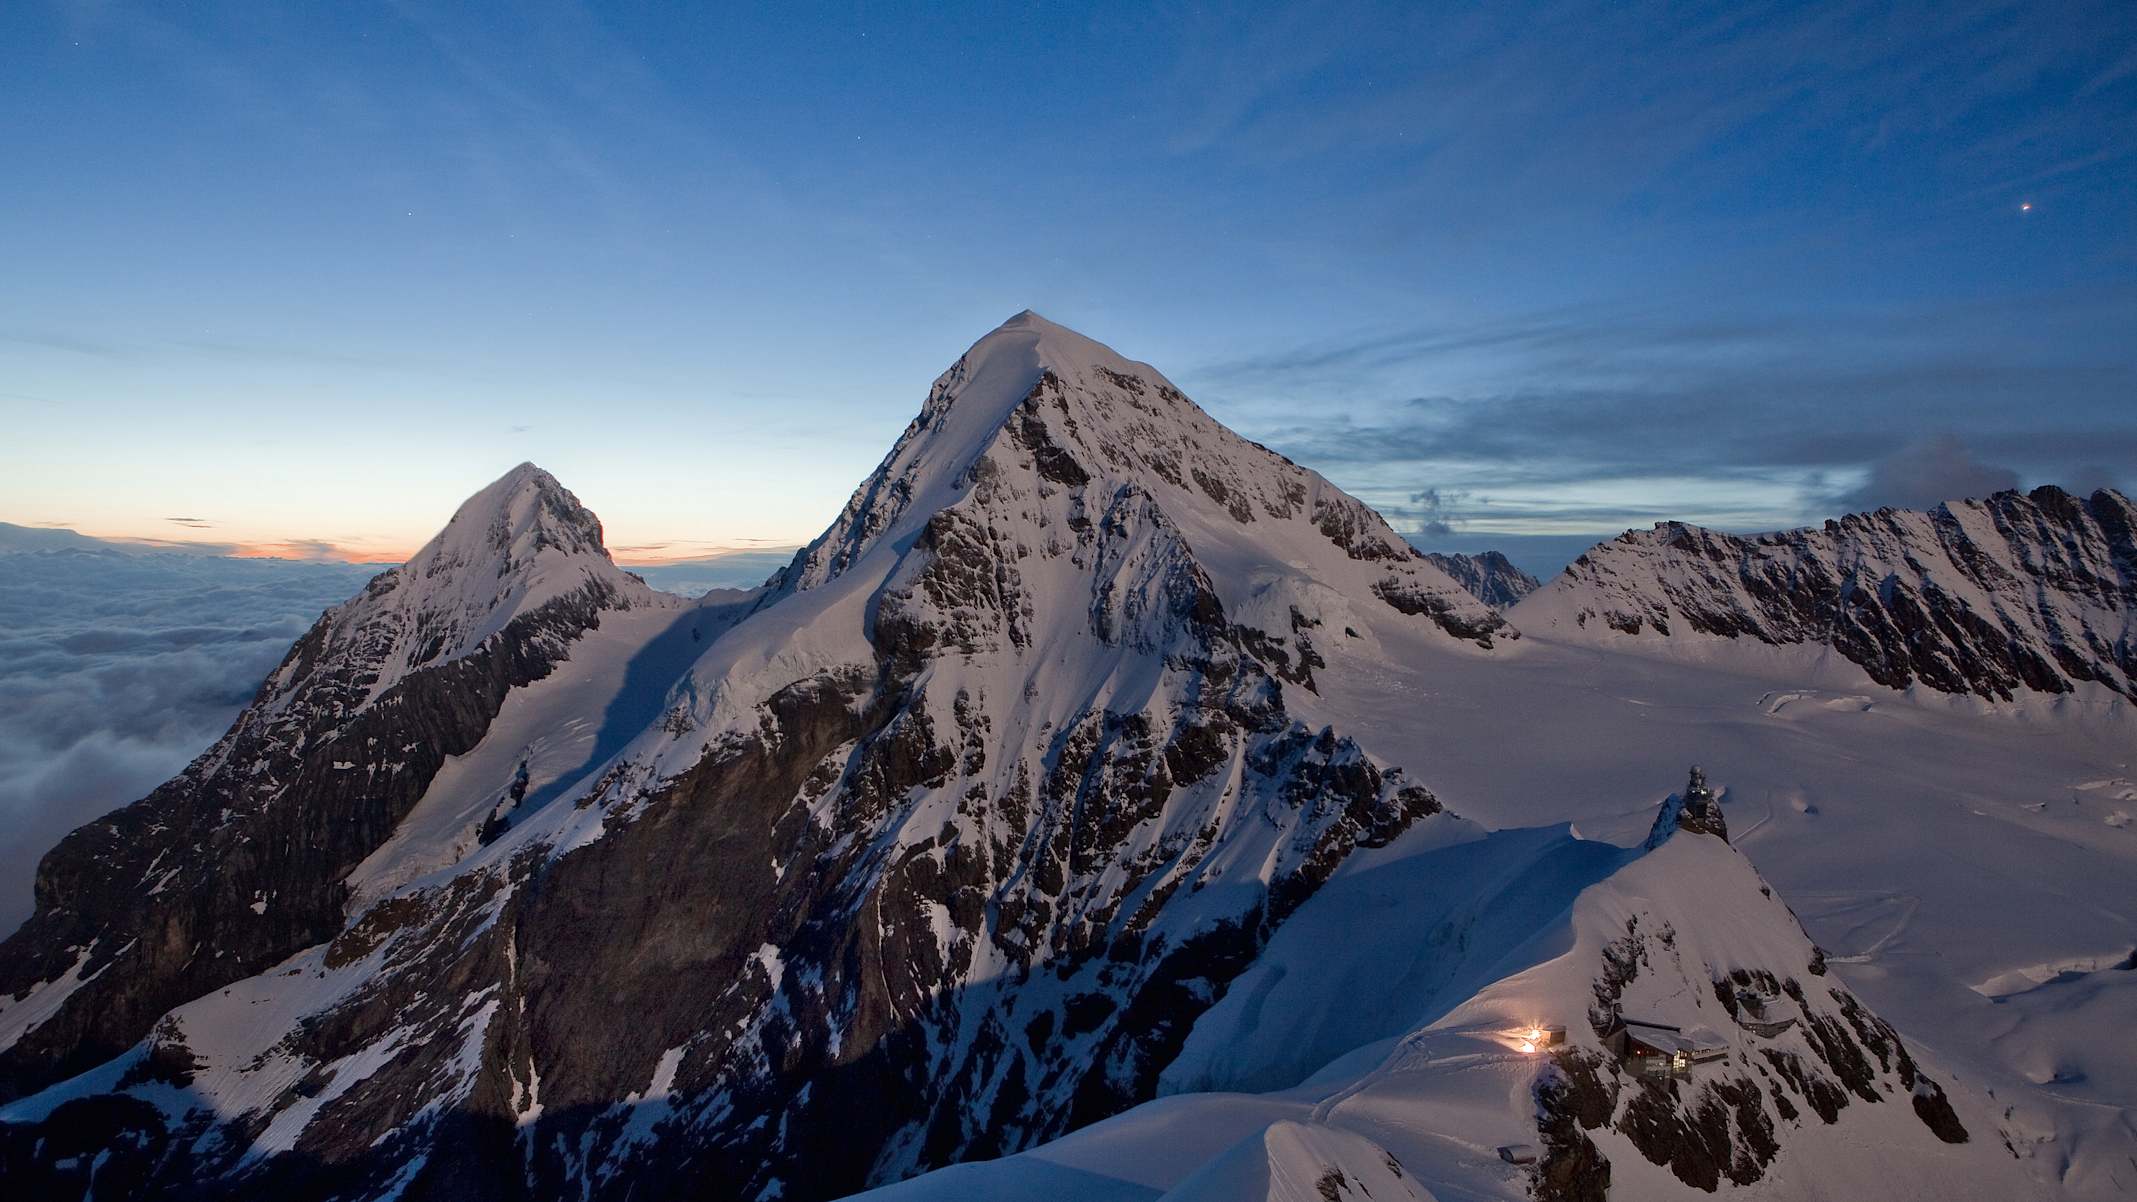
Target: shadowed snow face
[115,671]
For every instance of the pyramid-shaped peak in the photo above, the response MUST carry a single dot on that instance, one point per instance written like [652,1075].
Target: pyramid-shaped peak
[523,474]
[526,508]
[971,402]
[1035,410]
[1032,319]
[523,479]
[521,543]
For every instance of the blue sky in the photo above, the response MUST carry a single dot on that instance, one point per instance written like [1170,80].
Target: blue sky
[308,275]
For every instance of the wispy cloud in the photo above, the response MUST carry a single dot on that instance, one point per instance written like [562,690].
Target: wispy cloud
[58,340]
[1614,417]
[1924,473]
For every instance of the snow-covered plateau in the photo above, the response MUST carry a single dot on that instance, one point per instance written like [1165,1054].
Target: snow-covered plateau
[1106,807]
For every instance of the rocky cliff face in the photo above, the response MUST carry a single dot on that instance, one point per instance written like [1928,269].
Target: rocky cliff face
[935,854]
[1488,576]
[2021,592]
[238,862]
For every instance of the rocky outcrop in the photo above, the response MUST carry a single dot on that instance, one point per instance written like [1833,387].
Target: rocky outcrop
[238,862]
[1488,576]
[1696,810]
[1787,1047]
[2018,593]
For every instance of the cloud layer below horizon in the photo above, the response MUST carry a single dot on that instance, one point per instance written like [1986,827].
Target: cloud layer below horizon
[116,670]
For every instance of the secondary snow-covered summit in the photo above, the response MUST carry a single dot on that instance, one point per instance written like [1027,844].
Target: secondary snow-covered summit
[521,544]
[239,861]
[2014,593]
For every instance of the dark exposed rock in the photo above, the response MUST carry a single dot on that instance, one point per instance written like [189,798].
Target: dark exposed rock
[798,958]
[1405,597]
[115,1141]
[1569,1103]
[1690,1137]
[1622,958]
[1934,1109]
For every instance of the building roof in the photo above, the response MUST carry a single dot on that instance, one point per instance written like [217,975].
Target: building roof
[1665,1038]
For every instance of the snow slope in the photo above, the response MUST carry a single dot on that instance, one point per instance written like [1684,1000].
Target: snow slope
[1930,842]
[1965,861]
[559,730]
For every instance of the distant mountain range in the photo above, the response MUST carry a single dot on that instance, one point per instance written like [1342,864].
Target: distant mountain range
[15,538]
[1488,576]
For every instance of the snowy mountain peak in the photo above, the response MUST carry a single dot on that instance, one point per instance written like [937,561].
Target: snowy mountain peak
[521,514]
[1057,344]
[1042,704]
[1053,430]
[999,372]
[1079,762]
[520,544]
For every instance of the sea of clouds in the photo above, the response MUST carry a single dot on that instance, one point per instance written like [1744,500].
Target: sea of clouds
[117,668]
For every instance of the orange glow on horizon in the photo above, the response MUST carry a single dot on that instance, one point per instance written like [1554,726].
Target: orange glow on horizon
[639,555]
[329,553]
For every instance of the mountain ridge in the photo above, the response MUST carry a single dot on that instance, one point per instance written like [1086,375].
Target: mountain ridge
[985,820]
[2015,593]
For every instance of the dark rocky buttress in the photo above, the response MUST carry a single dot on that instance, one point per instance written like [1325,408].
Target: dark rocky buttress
[238,861]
